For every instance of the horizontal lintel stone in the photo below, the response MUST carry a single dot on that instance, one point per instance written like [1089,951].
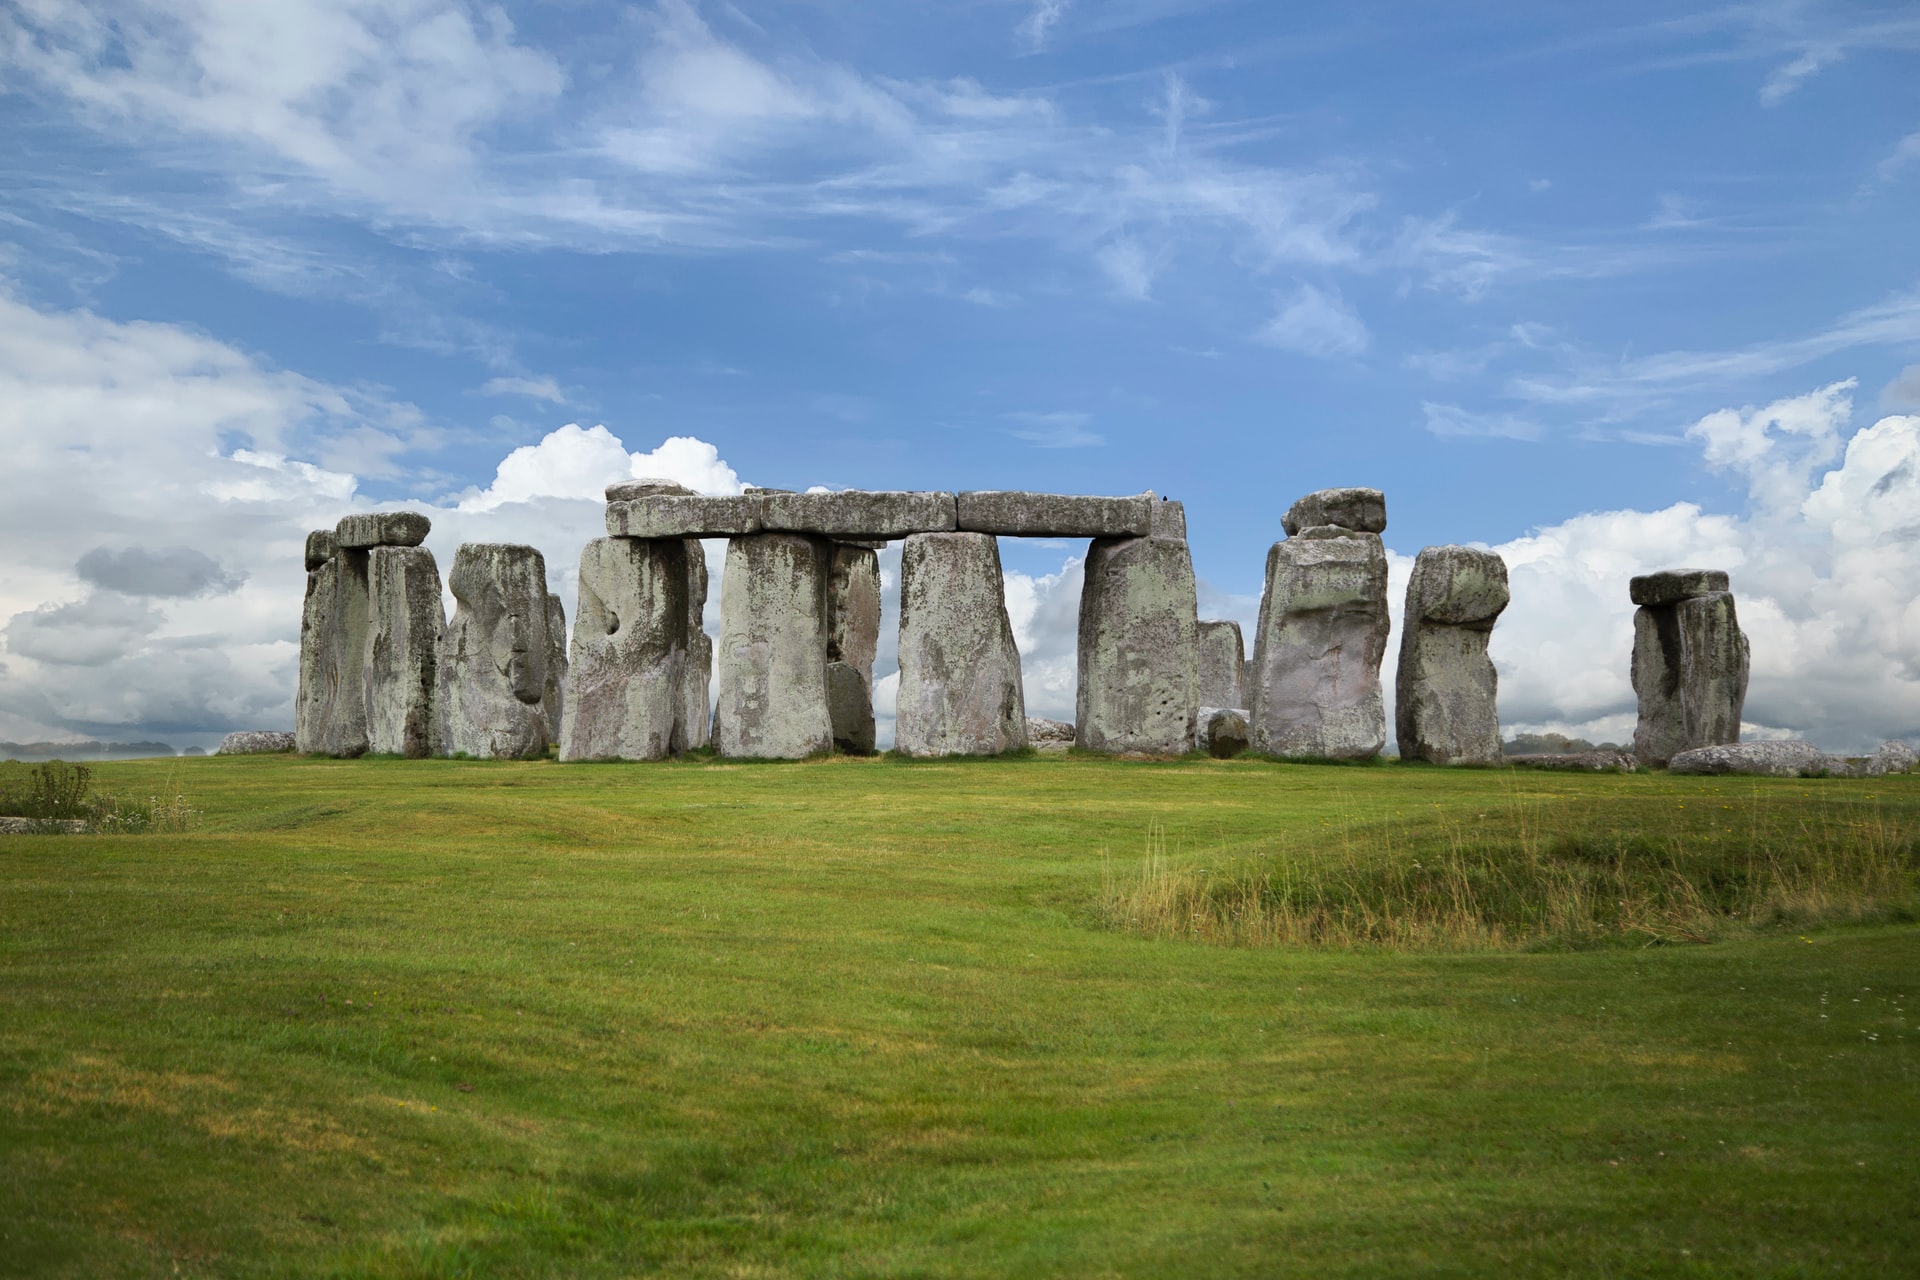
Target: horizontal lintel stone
[1055,515]
[851,515]
[1671,586]
[381,529]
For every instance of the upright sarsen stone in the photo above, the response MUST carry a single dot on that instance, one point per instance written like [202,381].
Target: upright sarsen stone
[1316,655]
[405,620]
[960,691]
[1690,663]
[496,655]
[853,637]
[1139,689]
[630,655]
[1223,661]
[330,707]
[1445,696]
[772,697]
[694,727]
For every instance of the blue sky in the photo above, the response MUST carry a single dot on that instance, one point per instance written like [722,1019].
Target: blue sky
[1504,261]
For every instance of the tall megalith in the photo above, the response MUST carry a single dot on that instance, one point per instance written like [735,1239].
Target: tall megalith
[1445,696]
[631,655]
[771,702]
[405,619]
[853,637]
[1223,661]
[1690,663]
[1139,688]
[1323,632]
[960,691]
[330,709]
[497,655]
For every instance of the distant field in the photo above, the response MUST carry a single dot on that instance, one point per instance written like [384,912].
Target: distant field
[1054,1016]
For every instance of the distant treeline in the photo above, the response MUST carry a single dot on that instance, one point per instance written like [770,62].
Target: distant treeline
[89,750]
[1552,744]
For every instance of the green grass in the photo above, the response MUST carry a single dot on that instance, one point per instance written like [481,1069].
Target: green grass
[844,1018]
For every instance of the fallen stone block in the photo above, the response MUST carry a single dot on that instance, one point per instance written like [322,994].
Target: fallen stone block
[1576,761]
[1223,732]
[381,529]
[1755,759]
[1049,735]
[960,690]
[255,742]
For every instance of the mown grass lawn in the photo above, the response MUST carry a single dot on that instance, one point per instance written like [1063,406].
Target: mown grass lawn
[847,1018]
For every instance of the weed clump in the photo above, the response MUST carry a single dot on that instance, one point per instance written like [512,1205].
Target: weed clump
[58,796]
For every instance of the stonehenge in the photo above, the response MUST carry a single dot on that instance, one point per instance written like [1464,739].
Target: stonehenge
[853,637]
[960,691]
[498,690]
[1444,697]
[1223,661]
[1690,661]
[1139,650]
[631,650]
[1322,632]
[771,699]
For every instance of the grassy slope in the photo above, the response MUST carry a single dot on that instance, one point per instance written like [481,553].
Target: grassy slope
[857,1017]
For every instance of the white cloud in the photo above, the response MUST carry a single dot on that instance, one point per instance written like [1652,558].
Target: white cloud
[1905,154]
[1039,23]
[1062,429]
[576,462]
[1904,391]
[1451,422]
[1791,75]
[1777,448]
[1313,322]
[542,388]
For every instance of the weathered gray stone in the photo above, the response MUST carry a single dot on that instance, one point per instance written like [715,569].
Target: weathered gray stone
[320,548]
[1892,757]
[1362,510]
[647,487]
[630,653]
[555,703]
[1223,732]
[1757,759]
[496,654]
[1223,661]
[1139,690]
[772,697]
[1690,663]
[255,742]
[1671,586]
[853,637]
[405,620]
[1316,653]
[1169,519]
[668,515]
[695,726]
[330,707]
[1577,761]
[381,529]
[960,691]
[1049,735]
[1054,515]
[1445,695]
[859,513]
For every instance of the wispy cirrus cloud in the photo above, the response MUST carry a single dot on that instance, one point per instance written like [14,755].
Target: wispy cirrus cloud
[1058,429]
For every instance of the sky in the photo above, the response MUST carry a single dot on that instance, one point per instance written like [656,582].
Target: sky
[1605,288]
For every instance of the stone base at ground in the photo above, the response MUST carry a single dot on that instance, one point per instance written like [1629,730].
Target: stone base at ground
[1223,732]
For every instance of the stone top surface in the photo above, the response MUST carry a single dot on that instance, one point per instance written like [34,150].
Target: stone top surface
[1457,586]
[648,487]
[1671,586]
[1364,510]
[381,529]
[320,548]
[857,515]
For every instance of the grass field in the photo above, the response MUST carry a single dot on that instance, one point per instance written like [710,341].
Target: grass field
[1053,1016]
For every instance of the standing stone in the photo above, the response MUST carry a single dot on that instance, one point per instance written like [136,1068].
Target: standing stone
[1223,661]
[1316,655]
[496,655]
[853,636]
[1444,699]
[624,697]
[772,697]
[1139,688]
[960,690]
[404,626]
[694,728]
[330,708]
[555,703]
[1690,663]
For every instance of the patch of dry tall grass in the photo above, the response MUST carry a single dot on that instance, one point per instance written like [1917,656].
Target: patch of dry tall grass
[1536,871]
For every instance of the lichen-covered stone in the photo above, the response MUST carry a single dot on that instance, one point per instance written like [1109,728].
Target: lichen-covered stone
[496,655]
[330,706]
[1576,761]
[853,637]
[320,548]
[1445,696]
[1671,586]
[1223,660]
[960,690]
[858,513]
[1362,510]
[1758,759]
[1049,735]
[695,726]
[1322,632]
[1690,664]
[630,652]
[772,697]
[368,529]
[555,703]
[1892,757]
[1139,690]
[1054,515]
[255,742]
[405,621]
[670,515]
